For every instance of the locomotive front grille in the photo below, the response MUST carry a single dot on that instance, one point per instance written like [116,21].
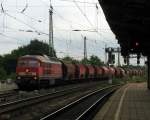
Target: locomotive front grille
[27,73]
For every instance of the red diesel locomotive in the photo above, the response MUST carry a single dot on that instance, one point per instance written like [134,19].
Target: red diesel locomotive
[35,70]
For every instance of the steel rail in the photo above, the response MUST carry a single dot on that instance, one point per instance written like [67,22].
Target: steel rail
[5,94]
[19,104]
[69,106]
[92,110]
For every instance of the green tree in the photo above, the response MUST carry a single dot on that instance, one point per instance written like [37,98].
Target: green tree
[1,61]
[35,47]
[70,59]
[2,73]
[9,61]
[85,61]
[94,60]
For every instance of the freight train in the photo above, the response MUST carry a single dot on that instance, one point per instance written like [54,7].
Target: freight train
[33,71]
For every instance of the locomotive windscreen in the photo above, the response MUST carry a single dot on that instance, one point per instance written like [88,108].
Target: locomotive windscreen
[28,63]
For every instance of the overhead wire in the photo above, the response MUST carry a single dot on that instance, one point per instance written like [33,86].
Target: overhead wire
[32,18]
[38,31]
[67,44]
[83,13]
[21,30]
[79,1]
[21,21]
[10,37]
[25,8]
[29,30]
[60,16]
[88,19]
[69,22]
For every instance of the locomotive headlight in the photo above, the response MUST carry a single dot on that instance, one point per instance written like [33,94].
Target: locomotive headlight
[35,78]
[19,77]
[27,70]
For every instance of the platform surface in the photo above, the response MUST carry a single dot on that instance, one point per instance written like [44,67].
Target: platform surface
[5,87]
[131,102]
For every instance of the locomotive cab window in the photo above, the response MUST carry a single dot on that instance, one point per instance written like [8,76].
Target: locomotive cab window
[28,63]
[33,63]
[22,63]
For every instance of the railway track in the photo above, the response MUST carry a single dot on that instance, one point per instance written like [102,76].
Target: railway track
[10,107]
[83,108]
[5,95]
[16,94]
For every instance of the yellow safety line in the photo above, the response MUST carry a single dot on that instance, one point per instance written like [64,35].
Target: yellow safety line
[120,104]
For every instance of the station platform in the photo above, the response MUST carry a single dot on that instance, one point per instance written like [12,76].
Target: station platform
[131,102]
[6,87]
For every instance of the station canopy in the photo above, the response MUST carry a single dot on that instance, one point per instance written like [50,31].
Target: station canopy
[130,22]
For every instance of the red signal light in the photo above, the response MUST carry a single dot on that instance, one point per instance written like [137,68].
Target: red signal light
[136,44]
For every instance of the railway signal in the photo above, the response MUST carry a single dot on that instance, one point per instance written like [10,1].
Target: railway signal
[111,55]
[138,59]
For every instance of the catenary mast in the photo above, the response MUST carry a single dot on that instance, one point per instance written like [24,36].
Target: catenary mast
[51,42]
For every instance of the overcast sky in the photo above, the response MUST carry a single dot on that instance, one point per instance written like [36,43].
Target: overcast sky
[18,17]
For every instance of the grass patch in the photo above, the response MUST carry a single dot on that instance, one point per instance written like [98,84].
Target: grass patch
[133,79]
[137,79]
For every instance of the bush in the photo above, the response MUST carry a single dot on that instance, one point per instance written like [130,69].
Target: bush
[3,74]
[137,79]
[12,76]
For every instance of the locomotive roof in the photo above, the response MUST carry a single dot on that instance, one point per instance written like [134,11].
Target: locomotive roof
[41,58]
